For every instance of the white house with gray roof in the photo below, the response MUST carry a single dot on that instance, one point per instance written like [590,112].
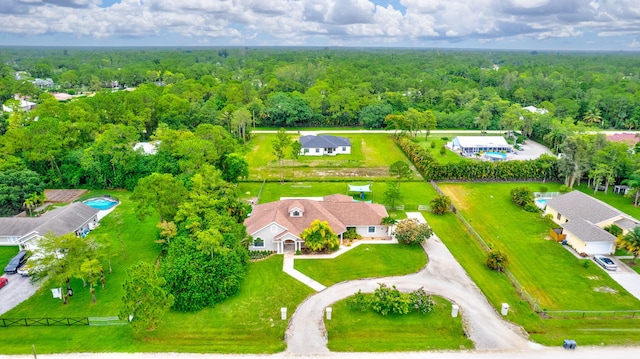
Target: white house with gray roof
[583,219]
[324,145]
[26,231]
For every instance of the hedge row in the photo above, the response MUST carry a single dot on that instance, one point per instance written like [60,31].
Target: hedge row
[544,168]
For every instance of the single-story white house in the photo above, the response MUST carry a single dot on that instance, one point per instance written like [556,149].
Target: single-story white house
[26,231]
[324,145]
[468,145]
[583,219]
[277,226]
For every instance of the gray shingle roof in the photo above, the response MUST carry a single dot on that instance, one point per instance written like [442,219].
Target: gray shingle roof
[588,232]
[577,205]
[61,220]
[323,141]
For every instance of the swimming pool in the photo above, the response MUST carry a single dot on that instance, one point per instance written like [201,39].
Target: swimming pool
[100,203]
[495,156]
[541,202]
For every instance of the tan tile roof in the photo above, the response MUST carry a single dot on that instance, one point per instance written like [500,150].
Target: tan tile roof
[339,212]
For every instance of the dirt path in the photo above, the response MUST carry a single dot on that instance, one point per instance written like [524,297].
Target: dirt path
[306,334]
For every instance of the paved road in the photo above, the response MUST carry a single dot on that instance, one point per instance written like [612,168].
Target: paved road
[306,334]
[18,290]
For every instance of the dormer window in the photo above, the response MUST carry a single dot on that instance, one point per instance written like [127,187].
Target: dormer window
[296,213]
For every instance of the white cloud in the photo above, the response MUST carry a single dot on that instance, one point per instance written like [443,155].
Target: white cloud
[325,21]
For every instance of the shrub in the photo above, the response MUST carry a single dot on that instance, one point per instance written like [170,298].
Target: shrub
[564,189]
[351,234]
[359,302]
[389,301]
[497,260]
[410,231]
[433,144]
[521,196]
[255,255]
[531,207]
[440,204]
[421,302]
[614,230]
[444,138]
[544,189]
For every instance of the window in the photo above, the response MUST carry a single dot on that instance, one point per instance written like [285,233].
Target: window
[306,150]
[558,216]
[258,242]
[344,149]
[317,150]
[296,213]
[371,229]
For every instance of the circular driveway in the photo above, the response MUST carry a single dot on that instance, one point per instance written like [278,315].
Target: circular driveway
[306,334]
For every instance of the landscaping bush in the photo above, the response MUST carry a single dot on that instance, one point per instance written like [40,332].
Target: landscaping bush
[351,234]
[497,260]
[390,301]
[531,207]
[255,255]
[521,196]
[410,231]
[359,302]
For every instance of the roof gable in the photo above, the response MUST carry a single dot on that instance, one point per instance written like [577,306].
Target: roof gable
[577,205]
[339,214]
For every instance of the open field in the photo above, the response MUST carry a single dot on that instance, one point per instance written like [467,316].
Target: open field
[265,289]
[370,158]
[365,261]
[355,331]
[412,193]
[551,274]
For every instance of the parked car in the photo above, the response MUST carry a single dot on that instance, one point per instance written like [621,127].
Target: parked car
[3,282]
[16,262]
[28,268]
[605,262]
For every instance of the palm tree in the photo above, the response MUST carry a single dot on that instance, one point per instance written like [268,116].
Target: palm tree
[593,116]
[497,260]
[440,204]
[631,243]
[634,185]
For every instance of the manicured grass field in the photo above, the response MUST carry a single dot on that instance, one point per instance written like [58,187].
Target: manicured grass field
[371,155]
[552,275]
[354,331]
[498,290]
[449,156]
[241,324]
[6,253]
[412,193]
[365,261]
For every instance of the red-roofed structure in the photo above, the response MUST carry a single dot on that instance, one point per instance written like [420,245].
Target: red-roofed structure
[628,138]
[277,225]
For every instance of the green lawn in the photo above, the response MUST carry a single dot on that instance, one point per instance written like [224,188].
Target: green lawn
[241,324]
[354,331]
[6,253]
[365,261]
[557,279]
[566,286]
[370,158]
[412,193]
[449,156]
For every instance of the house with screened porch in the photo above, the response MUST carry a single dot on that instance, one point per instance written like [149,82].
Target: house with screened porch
[277,226]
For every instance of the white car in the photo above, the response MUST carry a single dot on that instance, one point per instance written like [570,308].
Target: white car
[28,267]
[605,263]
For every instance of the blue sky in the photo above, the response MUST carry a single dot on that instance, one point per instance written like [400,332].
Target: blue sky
[497,24]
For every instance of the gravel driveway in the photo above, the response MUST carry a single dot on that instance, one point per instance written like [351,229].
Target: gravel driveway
[15,292]
[306,334]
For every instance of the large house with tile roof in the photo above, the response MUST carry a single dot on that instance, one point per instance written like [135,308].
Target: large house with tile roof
[25,232]
[277,226]
[583,219]
[312,145]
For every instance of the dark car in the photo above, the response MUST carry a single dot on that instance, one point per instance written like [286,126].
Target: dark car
[3,282]
[16,262]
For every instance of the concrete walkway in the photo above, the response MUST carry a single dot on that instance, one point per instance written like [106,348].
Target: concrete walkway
[306,334]
[288,265]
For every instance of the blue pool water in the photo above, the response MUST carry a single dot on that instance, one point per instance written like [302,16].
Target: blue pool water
[496,155]
[100,203]
[542,200]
